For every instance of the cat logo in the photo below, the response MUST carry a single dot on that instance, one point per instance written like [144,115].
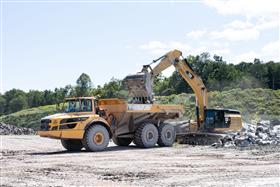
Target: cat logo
[189,75]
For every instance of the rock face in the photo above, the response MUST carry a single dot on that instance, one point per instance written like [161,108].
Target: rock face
[6,129]
[263,133]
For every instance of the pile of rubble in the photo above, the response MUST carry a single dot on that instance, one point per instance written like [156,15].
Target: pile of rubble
[263,133]
[6,129]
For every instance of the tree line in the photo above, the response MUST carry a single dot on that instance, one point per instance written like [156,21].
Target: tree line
[216,74]
[15,100]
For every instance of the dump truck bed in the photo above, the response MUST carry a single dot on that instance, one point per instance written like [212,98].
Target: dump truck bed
[115,105]
[126,117]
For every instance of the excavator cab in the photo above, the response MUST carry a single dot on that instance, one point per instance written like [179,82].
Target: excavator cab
[218,118]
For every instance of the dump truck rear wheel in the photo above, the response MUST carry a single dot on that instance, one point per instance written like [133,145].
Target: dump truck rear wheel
[96,138]
[72,145]
[146,135]
[167,135]
[122,141]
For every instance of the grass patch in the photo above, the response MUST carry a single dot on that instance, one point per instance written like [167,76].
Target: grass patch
[254,104]
[29,117]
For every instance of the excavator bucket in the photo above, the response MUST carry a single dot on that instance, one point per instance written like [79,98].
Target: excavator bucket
[139,85]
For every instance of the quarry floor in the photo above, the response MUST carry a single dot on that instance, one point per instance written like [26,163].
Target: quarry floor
[35,161]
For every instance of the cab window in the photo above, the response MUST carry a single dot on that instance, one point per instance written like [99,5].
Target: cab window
[86,105]
[73,106]
[83,105]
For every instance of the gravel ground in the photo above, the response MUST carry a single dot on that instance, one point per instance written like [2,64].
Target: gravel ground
[34,161]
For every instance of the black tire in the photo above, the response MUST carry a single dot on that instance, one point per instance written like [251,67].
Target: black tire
[167,135]
[96,138]
[122,141]
[146,135]
[72,145]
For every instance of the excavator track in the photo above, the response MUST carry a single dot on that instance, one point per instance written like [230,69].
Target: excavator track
[200,138]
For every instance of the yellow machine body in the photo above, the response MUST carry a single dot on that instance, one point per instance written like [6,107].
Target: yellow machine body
[116,115]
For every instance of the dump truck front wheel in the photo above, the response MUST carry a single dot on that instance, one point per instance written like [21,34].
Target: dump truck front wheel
[167,135]
[96,138]
[72,145]
[146,135]
[121,141]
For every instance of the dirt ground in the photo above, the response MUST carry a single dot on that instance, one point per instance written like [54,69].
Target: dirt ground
[35,161]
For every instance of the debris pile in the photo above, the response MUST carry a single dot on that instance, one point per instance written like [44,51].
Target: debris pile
[263,133]
[6,129]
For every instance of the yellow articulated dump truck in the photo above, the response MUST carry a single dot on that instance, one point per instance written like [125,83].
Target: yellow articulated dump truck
[90,123]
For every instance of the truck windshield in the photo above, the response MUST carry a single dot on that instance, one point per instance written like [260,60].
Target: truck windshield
[83,105]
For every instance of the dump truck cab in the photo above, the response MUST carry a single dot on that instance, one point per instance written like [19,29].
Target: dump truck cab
[71,123]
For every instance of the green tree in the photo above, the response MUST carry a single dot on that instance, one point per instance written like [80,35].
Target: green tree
[35,98]
[97,91]
[48,97]
[114,88]
[218,58]
[17,104]
[59,95]
[2,105]
[273,75]
[84,85]
[69,91]
[10,95]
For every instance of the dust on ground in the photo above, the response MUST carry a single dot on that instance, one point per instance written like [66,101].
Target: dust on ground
[34,161]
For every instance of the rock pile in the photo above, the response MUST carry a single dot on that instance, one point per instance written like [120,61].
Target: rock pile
[6,129]
[263,133]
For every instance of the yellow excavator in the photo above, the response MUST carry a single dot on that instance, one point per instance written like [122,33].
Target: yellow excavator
[209,122]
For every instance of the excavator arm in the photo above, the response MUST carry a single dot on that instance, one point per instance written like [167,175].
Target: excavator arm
[174,58]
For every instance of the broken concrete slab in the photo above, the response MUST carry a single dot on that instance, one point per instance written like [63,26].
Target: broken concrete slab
[6,129]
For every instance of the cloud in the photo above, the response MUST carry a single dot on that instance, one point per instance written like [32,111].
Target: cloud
[234,31]
[245,57]
[160,48]
[244,30]
[235,34]
[221,52]
[260,15]
[263,24]
[272,50]
[237,24]
[248,8]
[196,34]
[238,30]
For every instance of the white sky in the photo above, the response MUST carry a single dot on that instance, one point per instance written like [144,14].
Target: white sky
[49,44]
